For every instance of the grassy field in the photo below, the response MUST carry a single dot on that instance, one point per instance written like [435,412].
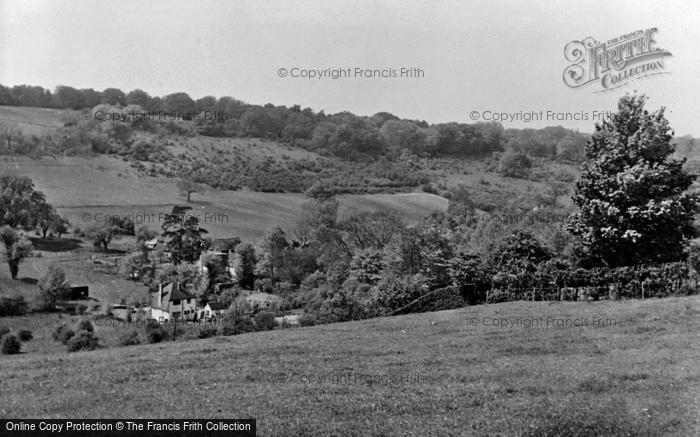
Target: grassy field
[34,121]
[82,264]
[632,370]
[86,190]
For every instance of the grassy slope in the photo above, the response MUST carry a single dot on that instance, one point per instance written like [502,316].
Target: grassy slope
[34,120]
[75,182]
[639,376]
[78,186]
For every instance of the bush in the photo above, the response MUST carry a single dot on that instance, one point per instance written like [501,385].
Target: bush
[207,331]
[13,306]
[82,340]
[85,325]
[235,326]
[428,188]
[307,320]
[446,298]
[265,321]
[25,335]
[62,333]
[10,344]
[155,333]
[514,164]
[497,296]
[129,339]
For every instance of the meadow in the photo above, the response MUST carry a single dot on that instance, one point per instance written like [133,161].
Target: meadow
[631,370]
[88,190]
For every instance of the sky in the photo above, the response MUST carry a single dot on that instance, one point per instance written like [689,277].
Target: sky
[477,57]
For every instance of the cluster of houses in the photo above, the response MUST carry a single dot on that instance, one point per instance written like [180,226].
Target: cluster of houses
[172,301]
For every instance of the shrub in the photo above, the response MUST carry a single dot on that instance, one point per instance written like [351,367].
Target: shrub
[10,344]
[496,296]
[25,335]
[85,325]
[236,325]
[62,333]
[428,188]
[264,321]
[514,164]
[155,333]
[82,340]
[207,331]
[53,287]
[446,298]
[307,320]
[129,339]
[13,306]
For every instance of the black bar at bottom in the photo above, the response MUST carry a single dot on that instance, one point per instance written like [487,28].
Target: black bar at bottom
[128,427]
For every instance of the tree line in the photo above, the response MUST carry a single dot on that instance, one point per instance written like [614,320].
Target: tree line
[344,135]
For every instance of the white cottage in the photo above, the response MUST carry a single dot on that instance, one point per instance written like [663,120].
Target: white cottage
[211,310]
[172,301]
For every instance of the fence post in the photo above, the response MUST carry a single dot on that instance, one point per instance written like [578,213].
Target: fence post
[643,290]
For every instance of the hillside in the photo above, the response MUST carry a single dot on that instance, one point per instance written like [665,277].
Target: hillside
[34,120]
[634,373]
[101,186]
[260,159]
[109,184]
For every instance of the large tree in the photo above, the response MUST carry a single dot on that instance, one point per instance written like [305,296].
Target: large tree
[180,104]
[101,235]
[183,236]
[272,252]
[245,267]
[138,97]
[46,218]
[17,247]
[113,96]
[187,187]
[10,134]
[634,207]
[53,286]
[19,201]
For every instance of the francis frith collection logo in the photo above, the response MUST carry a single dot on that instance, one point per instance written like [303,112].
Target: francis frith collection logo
[614,63]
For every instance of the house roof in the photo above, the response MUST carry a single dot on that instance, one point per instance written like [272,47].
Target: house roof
[217,306]
[174,291]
